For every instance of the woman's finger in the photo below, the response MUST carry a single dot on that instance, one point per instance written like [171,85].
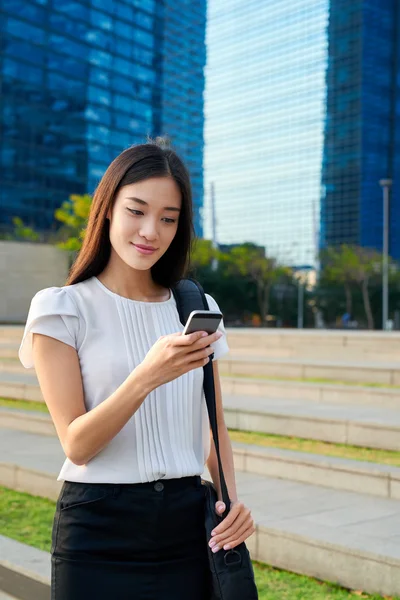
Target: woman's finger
[236,508]
[243,520]
[232,544]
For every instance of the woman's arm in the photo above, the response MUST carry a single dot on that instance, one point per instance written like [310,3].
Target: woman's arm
[225,446]
[82,433]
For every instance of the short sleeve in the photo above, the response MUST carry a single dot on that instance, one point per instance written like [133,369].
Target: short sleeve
[220,347]
[52,312]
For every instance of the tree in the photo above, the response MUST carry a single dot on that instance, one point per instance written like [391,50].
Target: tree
[250,261]
[353,265]
[23,232]
[202,254]
[74,214]
[338,268]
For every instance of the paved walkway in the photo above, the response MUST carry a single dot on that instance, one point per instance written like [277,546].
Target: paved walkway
[282,406]
[307,408]
[351,519]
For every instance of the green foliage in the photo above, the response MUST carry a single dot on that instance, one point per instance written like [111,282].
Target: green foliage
[250,262]
[23,232]
[74,214]
[356,269]
[203,253]
[240,279]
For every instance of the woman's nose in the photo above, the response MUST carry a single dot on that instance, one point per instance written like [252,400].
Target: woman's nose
[149,230]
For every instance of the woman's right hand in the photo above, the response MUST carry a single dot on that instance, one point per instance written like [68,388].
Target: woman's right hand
[175,354]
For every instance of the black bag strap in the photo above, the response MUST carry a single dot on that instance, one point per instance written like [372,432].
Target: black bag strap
[189,295]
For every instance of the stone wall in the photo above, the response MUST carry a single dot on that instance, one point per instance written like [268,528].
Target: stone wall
[26,268]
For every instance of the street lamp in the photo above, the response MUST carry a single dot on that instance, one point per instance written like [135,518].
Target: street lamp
[301,274]
[385,185]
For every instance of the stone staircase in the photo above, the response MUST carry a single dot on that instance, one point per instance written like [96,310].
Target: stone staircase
[332,518]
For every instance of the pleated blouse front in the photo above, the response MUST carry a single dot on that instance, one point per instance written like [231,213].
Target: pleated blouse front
[168,436]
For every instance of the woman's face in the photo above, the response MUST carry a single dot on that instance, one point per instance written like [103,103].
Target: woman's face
[145,214]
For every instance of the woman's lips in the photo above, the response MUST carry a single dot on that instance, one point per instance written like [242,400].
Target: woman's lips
[143,250]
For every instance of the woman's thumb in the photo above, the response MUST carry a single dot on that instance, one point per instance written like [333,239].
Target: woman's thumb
[219,507]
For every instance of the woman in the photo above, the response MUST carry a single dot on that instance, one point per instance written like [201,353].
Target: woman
[124,390]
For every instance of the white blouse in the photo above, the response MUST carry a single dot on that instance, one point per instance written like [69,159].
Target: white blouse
[168,436]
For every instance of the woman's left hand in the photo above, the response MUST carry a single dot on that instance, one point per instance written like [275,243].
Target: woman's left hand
[234,529]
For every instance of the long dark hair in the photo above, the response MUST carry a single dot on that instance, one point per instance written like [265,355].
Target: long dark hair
[140,162]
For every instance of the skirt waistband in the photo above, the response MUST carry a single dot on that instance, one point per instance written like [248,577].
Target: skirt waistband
[180,483]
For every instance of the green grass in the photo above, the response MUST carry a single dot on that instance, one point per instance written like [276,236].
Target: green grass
[29,519]
[26,518]
[387,457]
[313,380]
[24,405]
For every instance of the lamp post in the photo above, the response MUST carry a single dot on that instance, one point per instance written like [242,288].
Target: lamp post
[385,185]
[301,274]
[300,305]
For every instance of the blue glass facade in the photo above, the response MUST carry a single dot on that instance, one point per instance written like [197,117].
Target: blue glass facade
[81,81]
[302,121]
[264,110]
[362,142]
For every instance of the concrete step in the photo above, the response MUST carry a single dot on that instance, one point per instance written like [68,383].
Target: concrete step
[344,537]
[337,473]
[361,372]
[366,426]
[12,365]
[324,393]
[319,344]
[328,471]
[4,596]
[19,383]
[20,386]
[27,420]
[24,571]
[11,332]
[342,345]
[354,425]
[332,368]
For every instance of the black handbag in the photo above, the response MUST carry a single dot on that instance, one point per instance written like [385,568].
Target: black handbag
[232,574]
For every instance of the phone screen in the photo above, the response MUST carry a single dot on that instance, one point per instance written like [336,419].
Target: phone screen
[203,321]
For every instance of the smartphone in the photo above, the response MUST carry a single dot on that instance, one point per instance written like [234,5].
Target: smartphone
[203,320]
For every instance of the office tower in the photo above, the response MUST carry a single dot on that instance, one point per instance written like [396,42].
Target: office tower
[83,80]
[301,111]
[362,124]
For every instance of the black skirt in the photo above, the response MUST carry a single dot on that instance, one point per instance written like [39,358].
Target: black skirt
[141,541]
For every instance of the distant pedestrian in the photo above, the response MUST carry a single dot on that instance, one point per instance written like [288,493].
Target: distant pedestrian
[346,318]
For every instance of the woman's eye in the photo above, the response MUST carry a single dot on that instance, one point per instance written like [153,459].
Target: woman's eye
[139,212]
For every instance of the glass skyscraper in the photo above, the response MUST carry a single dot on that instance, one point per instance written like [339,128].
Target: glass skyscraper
[81,81]
[362,131]
[301,110]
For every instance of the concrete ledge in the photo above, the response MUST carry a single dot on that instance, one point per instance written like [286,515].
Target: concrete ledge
[328,471]
[308,550]
[26,573]
[337,431]
[12,365]
[361,372]
[30,481]
[30,421]
[329,393]
[273,418]
[20,391]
